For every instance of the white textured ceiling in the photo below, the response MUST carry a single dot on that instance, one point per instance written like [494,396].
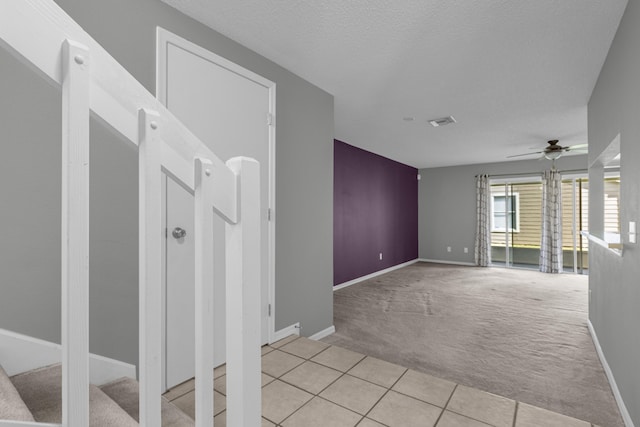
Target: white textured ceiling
[514,73]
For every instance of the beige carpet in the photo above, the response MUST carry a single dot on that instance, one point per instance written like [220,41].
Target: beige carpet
[41,390]
[516,333]
[36,394]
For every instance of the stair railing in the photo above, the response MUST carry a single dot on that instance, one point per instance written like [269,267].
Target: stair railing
[51,43]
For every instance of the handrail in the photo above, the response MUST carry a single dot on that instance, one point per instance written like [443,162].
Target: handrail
[34,30]
[41,34]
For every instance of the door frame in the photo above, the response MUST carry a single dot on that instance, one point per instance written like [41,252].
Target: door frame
[164,38]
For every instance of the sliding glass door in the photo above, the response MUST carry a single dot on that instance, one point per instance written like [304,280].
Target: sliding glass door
[516,222]
[575,219]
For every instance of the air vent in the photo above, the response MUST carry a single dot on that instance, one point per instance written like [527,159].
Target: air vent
[442,121]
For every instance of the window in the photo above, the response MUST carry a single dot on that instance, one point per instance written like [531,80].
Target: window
[505,212]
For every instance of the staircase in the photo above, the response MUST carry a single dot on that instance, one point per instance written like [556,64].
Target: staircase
[36,395]
[91,81]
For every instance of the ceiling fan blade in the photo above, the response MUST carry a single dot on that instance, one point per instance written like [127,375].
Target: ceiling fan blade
[527,154]
[578,147]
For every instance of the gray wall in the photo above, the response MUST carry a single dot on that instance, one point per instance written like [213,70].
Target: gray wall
[30,187]
[447,204]
[614,281]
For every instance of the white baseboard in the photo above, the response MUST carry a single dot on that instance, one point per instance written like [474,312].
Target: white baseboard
[21,353]
[323,333]
[372,275]
[439,261]
[285,332]
[626,417]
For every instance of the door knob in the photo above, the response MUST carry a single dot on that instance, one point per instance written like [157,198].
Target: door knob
[179,233]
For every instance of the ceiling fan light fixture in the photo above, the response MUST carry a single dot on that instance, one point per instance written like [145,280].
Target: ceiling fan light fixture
[443,121]
[553,155]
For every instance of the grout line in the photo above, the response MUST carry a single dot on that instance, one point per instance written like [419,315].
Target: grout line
[360,421]
[314,395]
[291,414]
[327,366]
[273,345]
[386,392]
[446,404]
[286,372]
[297,355]
[383,386]
[342,375]
[468,416]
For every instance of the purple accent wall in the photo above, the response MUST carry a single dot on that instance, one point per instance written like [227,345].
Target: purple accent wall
[375,209]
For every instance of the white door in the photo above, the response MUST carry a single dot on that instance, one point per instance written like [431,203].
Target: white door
[180,274]
[231,110]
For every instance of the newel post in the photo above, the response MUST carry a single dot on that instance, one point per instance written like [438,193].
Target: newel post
[243,299]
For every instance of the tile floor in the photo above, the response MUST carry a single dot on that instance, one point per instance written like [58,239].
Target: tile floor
[308,383]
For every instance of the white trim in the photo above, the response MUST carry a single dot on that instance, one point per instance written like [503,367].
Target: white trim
[626,417]
[323,333]
[285,332]
[103,370]
[614,248]
[21,353]
[372,275]
[163,38]
[440,261]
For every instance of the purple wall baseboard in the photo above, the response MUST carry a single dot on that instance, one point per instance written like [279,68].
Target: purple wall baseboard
[375,210]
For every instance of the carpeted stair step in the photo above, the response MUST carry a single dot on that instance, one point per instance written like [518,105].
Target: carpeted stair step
[12,407]
[41,391]
[125,392]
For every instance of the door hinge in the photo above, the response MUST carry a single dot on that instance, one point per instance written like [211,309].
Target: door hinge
[166,233]
[270,119]
[269,310]
[268,214]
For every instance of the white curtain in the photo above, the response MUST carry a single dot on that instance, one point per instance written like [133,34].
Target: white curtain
[482,249]
[551,242]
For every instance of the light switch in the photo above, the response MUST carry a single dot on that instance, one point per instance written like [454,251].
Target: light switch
[632,232]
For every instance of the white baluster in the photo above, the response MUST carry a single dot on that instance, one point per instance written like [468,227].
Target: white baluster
[203,236]
[75,234]
[150,264]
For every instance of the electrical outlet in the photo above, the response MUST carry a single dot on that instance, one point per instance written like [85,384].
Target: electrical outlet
[380,256]
[448,248]
[466,250]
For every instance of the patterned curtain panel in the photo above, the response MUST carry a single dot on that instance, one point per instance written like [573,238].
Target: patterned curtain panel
[551,242]
[482,250]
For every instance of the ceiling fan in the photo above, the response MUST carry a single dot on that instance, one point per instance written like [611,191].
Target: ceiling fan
[554,151]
